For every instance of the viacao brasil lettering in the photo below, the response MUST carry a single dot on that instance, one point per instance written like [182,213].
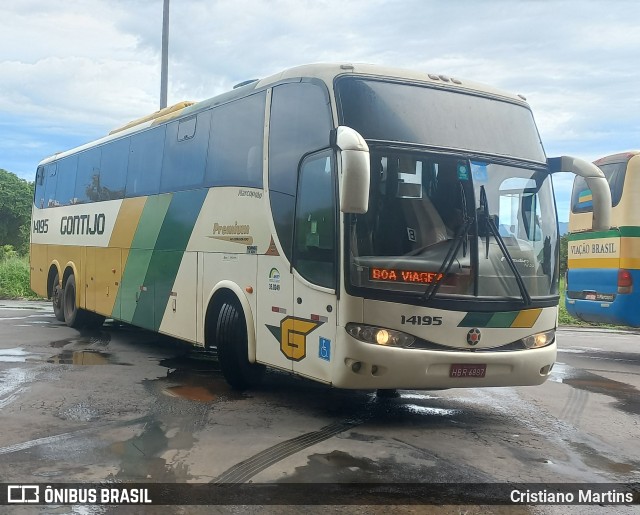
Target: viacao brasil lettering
[582,249]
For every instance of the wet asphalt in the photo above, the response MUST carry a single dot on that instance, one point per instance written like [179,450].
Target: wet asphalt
[121,404]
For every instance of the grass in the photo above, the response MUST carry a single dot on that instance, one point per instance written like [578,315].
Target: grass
[14,278]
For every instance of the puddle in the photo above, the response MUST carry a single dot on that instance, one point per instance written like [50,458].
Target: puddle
[101,339]
[191,392]
[82,357]
[594,459]
[17,355]
[627,396]
[196,376]
[141,455]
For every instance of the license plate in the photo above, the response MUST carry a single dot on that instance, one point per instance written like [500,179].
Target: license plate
[466,370]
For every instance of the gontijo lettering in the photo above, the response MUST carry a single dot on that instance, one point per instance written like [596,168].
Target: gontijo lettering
[82,224]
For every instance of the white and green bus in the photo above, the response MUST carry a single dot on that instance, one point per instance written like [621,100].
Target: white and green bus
[360,226]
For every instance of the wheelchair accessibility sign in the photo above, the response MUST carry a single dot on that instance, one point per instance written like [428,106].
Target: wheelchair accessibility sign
[324,349]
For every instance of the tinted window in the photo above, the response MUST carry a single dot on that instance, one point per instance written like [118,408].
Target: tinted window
[50,180]
[65,189]
[315,232]
[38,197]
[235,147]
[88,178]
[581,200]
[185,153]
[300,123]
[113,170]
[145,162]
[410,113]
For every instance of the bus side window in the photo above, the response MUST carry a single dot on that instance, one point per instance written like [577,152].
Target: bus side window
[38,197]
[51,181]
[235,144]
[315,230]
[67,169]
[145,162]
[300,123]
[113,170]
[88,178]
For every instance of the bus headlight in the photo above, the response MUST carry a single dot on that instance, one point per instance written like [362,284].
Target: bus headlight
[379,335]
[535,341]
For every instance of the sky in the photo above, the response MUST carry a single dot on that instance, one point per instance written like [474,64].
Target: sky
[72,71]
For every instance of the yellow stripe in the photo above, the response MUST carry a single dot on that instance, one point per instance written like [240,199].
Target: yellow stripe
[630,263]
[594,263]
[527,318]
[127,222]
[111,261]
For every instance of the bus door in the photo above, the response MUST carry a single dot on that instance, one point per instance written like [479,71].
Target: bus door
[312,339]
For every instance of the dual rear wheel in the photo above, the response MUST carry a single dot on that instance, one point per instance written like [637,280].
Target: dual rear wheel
[65,306]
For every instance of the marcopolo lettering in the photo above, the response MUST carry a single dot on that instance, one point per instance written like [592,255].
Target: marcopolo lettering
[82,224]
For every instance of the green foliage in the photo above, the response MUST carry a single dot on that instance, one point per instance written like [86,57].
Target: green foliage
[15,211]
[564,244]
[14,275]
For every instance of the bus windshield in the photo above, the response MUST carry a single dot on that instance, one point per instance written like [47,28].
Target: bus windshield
[426,224]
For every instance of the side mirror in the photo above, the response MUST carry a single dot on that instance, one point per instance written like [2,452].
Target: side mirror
[597,183]
[355,173]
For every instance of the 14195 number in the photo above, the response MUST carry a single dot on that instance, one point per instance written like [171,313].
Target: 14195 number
[418,320]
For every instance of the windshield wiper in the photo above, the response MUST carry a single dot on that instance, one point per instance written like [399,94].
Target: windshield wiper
[459,239]
[490,224]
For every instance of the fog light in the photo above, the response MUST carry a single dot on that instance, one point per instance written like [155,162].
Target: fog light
[356,366]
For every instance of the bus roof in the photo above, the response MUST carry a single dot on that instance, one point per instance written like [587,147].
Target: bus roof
[326,72]
[616,158]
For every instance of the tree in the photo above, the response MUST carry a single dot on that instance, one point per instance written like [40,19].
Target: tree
[16,198]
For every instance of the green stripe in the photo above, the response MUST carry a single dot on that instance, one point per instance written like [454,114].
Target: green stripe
[170,245]
[476,320]
[144,240]
[593,235]
[627,231]
[501,319]
[632,231]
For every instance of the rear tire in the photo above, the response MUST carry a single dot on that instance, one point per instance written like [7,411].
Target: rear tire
[57,294]
[74,316]
[232,344]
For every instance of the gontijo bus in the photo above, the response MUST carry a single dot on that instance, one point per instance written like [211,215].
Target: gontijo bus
[604,266]
[361,226]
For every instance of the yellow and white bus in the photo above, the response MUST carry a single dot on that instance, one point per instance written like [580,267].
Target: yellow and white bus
[603,269]
[361,226]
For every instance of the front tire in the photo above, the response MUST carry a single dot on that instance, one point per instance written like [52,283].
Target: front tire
[57,294]
[232,344]
[74,316]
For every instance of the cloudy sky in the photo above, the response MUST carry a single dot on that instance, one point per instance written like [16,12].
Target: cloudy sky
[71,71]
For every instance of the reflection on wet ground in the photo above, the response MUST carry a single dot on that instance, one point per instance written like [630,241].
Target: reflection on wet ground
[141,455]
[595,459]
[16,355]
[196,376]
[627,396]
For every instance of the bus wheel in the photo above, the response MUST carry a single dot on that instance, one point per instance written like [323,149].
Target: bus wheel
[74,316]
[232,345]
[56,297]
